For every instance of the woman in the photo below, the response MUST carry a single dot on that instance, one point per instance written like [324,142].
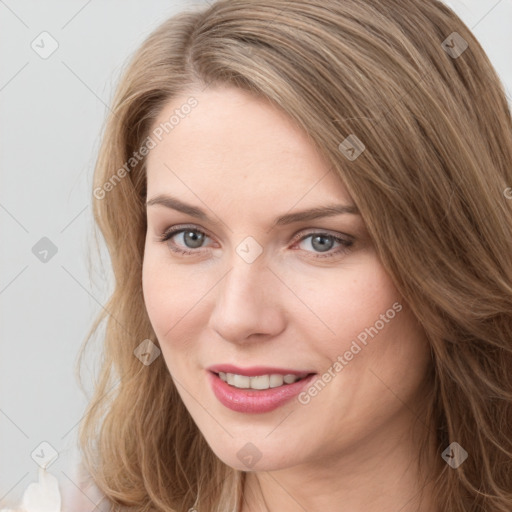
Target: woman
[261,354]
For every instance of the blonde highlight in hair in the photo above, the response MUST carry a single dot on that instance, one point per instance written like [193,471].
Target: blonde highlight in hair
[429,184]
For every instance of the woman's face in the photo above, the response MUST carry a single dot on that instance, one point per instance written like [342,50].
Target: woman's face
[300,295]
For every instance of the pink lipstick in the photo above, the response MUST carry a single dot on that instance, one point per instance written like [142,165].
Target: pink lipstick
[250,400]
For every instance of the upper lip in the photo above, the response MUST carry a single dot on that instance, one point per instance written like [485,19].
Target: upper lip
[252,371]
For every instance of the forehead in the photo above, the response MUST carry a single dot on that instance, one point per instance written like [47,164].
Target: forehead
[241,145]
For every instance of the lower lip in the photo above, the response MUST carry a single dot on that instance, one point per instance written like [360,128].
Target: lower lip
[255,401]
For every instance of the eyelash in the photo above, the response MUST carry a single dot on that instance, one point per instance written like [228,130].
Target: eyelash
[169,233]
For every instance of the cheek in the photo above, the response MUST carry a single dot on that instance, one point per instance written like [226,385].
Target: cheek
[163,308]
[177,301]
[371,303]
[157,301]
[163,295]
[342,302]
[330,305]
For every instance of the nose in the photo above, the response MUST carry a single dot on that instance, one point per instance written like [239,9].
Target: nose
[247,305]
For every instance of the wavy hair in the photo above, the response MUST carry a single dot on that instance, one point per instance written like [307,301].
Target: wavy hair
[406,78]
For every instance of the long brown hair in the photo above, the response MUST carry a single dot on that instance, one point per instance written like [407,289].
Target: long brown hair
[408,80]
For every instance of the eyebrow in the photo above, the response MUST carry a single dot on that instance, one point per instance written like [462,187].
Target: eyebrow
[288,218]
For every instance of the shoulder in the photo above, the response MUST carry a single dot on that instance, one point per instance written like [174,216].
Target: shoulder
[79,493]
[65,494]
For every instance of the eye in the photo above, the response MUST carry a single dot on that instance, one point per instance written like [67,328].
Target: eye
[192,240]
[191,237]
[324,242]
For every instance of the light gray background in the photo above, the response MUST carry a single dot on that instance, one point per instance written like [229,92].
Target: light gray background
[52,113]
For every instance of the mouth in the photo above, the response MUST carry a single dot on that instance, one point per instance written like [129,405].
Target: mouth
[261,382]
[257,393]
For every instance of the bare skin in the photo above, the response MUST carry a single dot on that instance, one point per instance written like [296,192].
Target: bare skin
[351,445]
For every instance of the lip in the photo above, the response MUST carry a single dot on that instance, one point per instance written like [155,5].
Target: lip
[253,371]
[255,401]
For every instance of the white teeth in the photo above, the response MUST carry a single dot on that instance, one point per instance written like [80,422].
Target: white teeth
[259,381]
[275,381]
[241,381]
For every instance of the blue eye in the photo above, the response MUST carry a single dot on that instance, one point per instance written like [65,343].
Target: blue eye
[193,238]
[324,242]
[196,239]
